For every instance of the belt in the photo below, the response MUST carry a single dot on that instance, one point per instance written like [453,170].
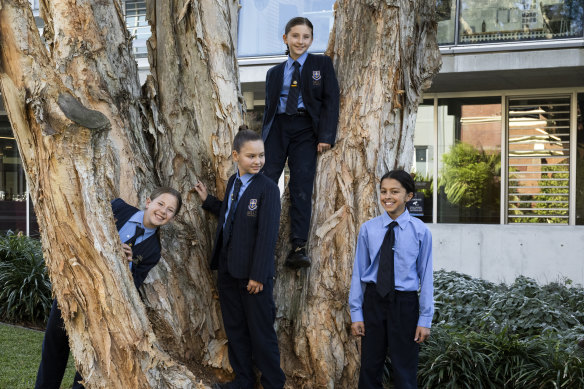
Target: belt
[301,112]
[397,292]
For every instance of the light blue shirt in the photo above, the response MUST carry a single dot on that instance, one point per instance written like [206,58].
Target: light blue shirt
[412,262]
[129,229]
[245,181]
[288,70]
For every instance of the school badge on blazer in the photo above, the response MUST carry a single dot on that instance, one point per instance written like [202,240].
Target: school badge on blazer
[316,77]
[252,208]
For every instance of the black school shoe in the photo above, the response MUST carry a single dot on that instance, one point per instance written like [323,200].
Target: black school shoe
[297,258]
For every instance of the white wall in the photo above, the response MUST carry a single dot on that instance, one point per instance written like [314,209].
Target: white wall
[499,253]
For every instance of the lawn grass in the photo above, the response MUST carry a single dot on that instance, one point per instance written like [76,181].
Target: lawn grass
[20,355]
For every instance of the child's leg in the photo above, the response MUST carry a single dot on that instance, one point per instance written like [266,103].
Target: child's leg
[374,343]
[403,350]
[239,346]
[276,147]
[55,352]
[261,313]
[302,163]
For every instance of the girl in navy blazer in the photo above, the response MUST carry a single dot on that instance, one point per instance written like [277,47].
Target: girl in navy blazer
[300,118]
[243,254]
[139,232]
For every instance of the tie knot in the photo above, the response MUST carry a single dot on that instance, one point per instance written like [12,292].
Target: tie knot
[296,64]
[393,224]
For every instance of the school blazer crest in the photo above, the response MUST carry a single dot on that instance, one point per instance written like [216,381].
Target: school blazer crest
[320,95]
[250,251]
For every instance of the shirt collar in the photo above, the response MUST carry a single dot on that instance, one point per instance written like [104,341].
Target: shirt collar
[300,60]
[401,220]
[138,218]
[245,178]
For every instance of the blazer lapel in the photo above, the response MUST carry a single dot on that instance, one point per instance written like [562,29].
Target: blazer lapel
[224,203]
[276,86]
[306,75]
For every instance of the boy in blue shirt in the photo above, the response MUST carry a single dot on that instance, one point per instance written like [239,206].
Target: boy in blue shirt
[393,260]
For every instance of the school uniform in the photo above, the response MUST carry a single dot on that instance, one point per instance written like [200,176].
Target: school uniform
[146,253]
[295,136]
[244,253]
[390,322]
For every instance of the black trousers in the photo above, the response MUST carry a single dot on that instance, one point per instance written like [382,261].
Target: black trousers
[55,354]
[249,325]
[293,138]
[389,325]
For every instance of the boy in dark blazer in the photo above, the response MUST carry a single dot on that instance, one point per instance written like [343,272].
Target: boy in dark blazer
[300,119]
[243,254]
[139,232]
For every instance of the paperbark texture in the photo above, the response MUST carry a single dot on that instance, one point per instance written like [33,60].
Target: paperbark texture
[88,133]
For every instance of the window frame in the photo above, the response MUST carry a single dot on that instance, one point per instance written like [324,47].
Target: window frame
[505,95]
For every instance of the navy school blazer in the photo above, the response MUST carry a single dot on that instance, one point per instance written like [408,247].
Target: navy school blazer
[320,95]
[148,250]
[250,251]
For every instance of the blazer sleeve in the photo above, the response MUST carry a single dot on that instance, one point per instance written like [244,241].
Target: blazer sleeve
[329,112]
[212,204]
[267,234]
[117,204]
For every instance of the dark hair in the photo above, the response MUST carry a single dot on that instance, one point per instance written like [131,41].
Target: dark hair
[297,21]
[404,178]
[166,189]
[243,136]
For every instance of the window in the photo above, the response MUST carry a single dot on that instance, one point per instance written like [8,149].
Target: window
[13,201]
[469,160]
[483,21]
[538,160]
[137,25]
[538,180]
[446,18]
[256,37]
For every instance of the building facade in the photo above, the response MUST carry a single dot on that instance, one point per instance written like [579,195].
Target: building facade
[499,140]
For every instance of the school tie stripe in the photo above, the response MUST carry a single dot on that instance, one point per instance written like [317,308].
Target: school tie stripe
[294,91]
[386,272]
[234,199]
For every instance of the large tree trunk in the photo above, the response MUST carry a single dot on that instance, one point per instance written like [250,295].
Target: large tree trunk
[77,159]
[88,133]
[385,54]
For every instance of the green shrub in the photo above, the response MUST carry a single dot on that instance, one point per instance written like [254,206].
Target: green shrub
[25,288]
[453,358]
[460,299]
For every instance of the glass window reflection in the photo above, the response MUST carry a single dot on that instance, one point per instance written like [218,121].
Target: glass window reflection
[137,25]
[262,22]
[469,163]
[446,18]
[504,20]
[539,160]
